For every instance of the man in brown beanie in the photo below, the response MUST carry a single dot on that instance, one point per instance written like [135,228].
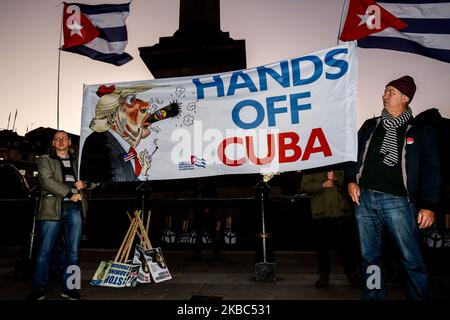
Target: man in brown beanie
[395,185]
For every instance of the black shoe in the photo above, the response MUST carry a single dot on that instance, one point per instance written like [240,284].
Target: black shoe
[36,295]
[322,283]
[71,295]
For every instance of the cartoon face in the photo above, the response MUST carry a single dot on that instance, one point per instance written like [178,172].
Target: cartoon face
[132,119]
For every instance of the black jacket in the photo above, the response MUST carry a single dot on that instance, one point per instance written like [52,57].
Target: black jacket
[419,161]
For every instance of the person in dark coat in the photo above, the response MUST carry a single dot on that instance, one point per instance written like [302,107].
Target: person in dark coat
[206,220]
[395,185]
[332,221]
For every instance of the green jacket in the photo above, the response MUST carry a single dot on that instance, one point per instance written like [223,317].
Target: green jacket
[53,187]
[326,203]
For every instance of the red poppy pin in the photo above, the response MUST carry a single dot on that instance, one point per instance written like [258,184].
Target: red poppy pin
[409,140]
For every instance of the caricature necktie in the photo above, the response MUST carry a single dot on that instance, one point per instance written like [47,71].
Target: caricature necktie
[137,164]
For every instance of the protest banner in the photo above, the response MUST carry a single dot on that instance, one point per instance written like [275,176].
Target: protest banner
[291,115]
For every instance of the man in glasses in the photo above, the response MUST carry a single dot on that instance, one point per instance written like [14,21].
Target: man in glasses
[62,207]
[121,121]
[395,186]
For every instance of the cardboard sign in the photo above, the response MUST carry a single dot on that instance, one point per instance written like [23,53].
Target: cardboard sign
[157,264]
[139,258]
[115,274]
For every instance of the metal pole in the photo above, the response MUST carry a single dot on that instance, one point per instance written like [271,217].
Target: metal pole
[345,6]
[143,193]
[35,194]
[264,255]
[59,72]
[263,229]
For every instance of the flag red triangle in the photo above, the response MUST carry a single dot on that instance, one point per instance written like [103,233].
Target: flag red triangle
[77,27]
[365,17]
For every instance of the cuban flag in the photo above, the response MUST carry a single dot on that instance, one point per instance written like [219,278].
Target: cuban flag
[97,31]
[199,162]
[416,26]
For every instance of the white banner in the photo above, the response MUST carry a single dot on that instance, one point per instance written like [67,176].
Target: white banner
[291,115]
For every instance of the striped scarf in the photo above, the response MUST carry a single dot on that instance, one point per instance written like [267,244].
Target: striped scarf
[390,124]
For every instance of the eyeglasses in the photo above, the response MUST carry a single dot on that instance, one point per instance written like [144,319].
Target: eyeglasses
[61,139]
[129,99]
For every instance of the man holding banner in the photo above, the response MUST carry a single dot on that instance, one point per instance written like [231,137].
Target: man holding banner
[396,172]
[62,207]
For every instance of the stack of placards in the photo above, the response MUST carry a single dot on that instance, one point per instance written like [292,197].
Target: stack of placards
[123,273]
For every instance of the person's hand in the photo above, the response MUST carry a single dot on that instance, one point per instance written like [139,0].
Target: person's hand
[425,218]
[145,161]
[328,184]
[80,185]
[354,192]
[76,197]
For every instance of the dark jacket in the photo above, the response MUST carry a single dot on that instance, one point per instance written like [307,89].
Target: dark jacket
[53,186]
[326,203]
[419,161]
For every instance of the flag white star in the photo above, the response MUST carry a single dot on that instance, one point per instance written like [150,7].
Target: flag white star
[75,28]
[364,19]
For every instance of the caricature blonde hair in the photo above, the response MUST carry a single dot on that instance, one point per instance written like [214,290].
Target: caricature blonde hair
[108,105]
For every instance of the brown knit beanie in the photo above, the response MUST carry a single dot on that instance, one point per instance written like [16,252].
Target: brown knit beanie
[405,85]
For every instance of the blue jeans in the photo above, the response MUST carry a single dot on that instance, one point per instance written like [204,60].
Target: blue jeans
[71,222]
[382,213]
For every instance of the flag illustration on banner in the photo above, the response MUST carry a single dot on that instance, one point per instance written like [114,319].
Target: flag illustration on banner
[415,26]
[129,156]
[199,162]
[97,31]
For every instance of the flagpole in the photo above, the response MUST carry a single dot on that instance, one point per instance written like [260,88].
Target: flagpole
[340,22]
[59,72]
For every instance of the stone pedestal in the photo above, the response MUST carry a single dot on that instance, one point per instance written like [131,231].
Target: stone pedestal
[197,47]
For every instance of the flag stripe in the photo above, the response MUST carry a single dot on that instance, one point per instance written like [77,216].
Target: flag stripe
[109,20]
[106,47]
[399,44]
[102,8]
[436,26]
[116,59]
[434,41]
[114,34]
[418,11]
